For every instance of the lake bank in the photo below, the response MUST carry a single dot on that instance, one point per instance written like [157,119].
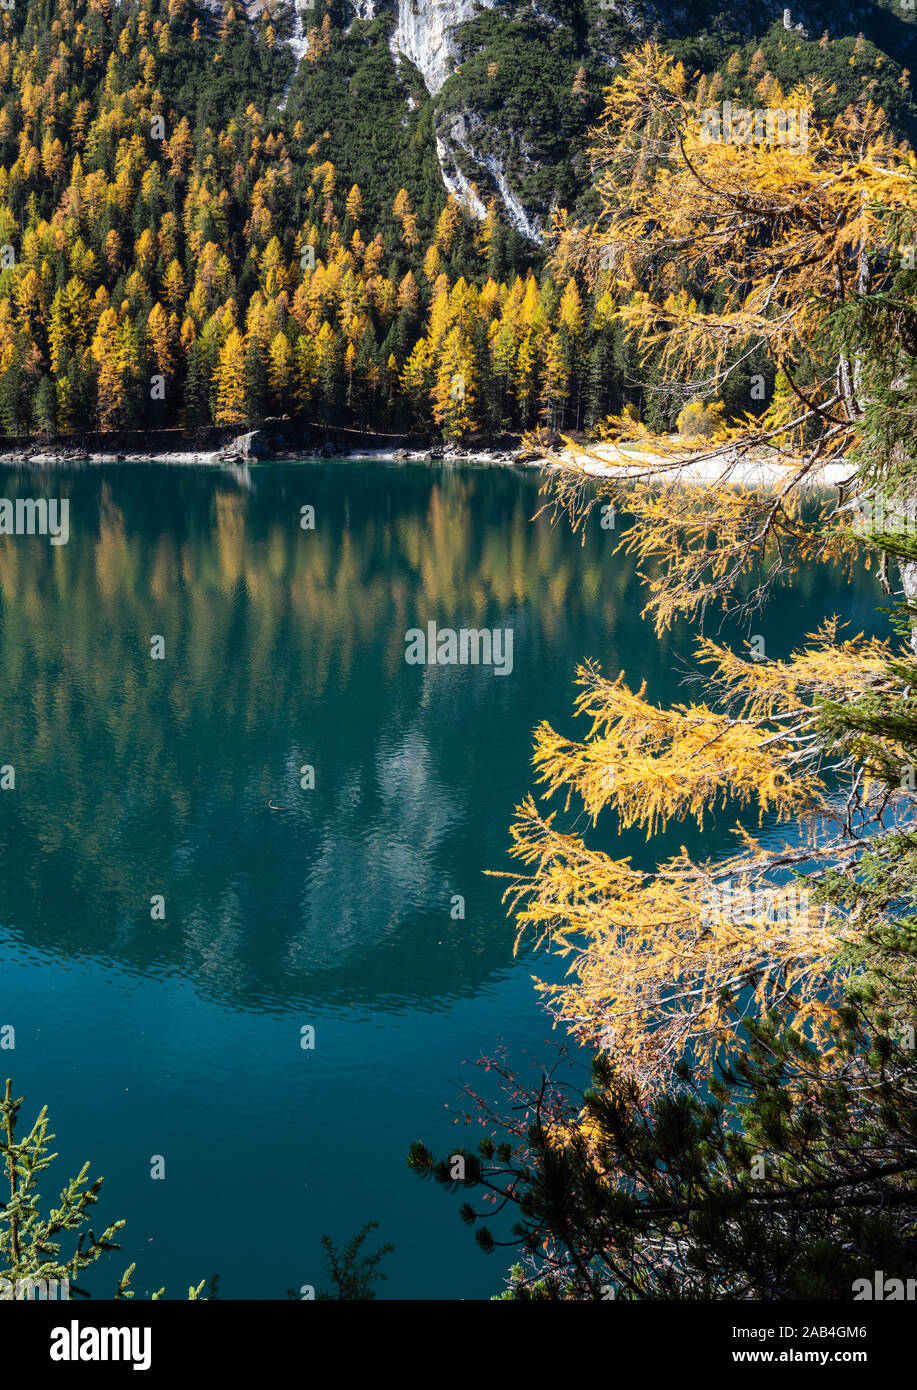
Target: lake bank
[276,441]
[600,460]
[609,460]
[354,903]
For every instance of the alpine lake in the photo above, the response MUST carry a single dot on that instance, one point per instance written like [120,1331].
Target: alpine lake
[249,948]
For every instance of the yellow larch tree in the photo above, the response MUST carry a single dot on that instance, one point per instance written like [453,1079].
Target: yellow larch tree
[669,961]
[230,381]
[454,390]
[664,963]
[783,216]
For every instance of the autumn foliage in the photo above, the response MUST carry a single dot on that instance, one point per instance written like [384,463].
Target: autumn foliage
[714,250]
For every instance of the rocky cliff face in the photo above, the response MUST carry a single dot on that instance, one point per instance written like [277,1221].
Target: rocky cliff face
[424,31]
[506,126]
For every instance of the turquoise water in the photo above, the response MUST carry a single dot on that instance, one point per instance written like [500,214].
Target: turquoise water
[286,907]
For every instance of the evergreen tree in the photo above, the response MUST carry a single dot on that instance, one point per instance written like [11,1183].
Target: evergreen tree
[32,1253]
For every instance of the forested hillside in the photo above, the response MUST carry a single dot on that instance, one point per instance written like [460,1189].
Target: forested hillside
[198,228]
[672,252]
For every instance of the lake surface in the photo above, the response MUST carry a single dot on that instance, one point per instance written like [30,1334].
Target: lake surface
[290,908]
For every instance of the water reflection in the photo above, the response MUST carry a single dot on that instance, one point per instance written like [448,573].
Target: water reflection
[285,648]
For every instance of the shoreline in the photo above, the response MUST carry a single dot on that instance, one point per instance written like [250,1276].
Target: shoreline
[207,459]
[220,446]
[608,460]
[602,460]
[247,450]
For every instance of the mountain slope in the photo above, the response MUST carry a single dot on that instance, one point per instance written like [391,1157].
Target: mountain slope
[217,214]
[516,84]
